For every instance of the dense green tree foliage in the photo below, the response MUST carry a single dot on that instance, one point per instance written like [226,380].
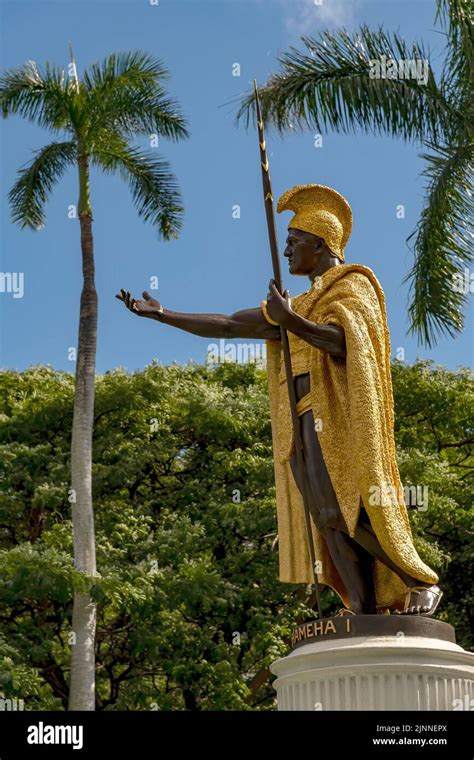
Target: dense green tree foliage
[190,609]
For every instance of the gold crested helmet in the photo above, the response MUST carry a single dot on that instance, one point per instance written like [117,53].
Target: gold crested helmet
[322,211]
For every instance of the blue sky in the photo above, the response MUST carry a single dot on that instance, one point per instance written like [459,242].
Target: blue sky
[219,264]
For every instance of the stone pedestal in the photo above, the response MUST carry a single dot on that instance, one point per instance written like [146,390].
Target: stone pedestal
[375,662]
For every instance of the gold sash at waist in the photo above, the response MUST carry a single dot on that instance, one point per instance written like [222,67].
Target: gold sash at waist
[303,405]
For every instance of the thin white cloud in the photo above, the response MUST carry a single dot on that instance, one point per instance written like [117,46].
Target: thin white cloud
[308,17]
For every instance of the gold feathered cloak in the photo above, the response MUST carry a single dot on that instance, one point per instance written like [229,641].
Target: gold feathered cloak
[354,402]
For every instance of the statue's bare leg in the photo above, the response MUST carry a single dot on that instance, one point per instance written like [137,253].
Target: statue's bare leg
[350,555]
[353,563]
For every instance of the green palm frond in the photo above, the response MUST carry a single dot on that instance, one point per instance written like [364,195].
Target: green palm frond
[331,85]
[457,17]
[134,68]
[125,93]
[154,187]
[133,112]
[443,244]
[39,95]
[36,180]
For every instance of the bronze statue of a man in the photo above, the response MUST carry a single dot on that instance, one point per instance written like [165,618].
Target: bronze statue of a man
[340,353]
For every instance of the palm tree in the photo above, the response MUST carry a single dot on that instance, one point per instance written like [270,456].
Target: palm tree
[330,86]
[94,120]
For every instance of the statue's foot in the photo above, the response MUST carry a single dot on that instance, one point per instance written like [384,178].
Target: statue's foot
[345,611]
[421,600]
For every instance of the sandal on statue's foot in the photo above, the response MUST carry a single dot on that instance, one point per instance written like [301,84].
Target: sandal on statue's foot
[421,600]
[344,611]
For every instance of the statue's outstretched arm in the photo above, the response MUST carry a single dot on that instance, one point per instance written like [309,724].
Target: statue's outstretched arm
[249,323]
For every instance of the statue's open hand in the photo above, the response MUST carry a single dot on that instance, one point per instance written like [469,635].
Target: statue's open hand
[278,306]
[149,307]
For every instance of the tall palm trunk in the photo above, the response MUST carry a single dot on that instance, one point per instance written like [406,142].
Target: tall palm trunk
[82,683]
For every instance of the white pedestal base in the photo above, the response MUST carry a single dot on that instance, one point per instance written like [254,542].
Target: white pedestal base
[376,673]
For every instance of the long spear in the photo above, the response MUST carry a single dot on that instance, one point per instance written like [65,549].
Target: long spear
[268,202]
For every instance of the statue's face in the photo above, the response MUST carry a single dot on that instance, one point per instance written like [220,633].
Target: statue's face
[302,251]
